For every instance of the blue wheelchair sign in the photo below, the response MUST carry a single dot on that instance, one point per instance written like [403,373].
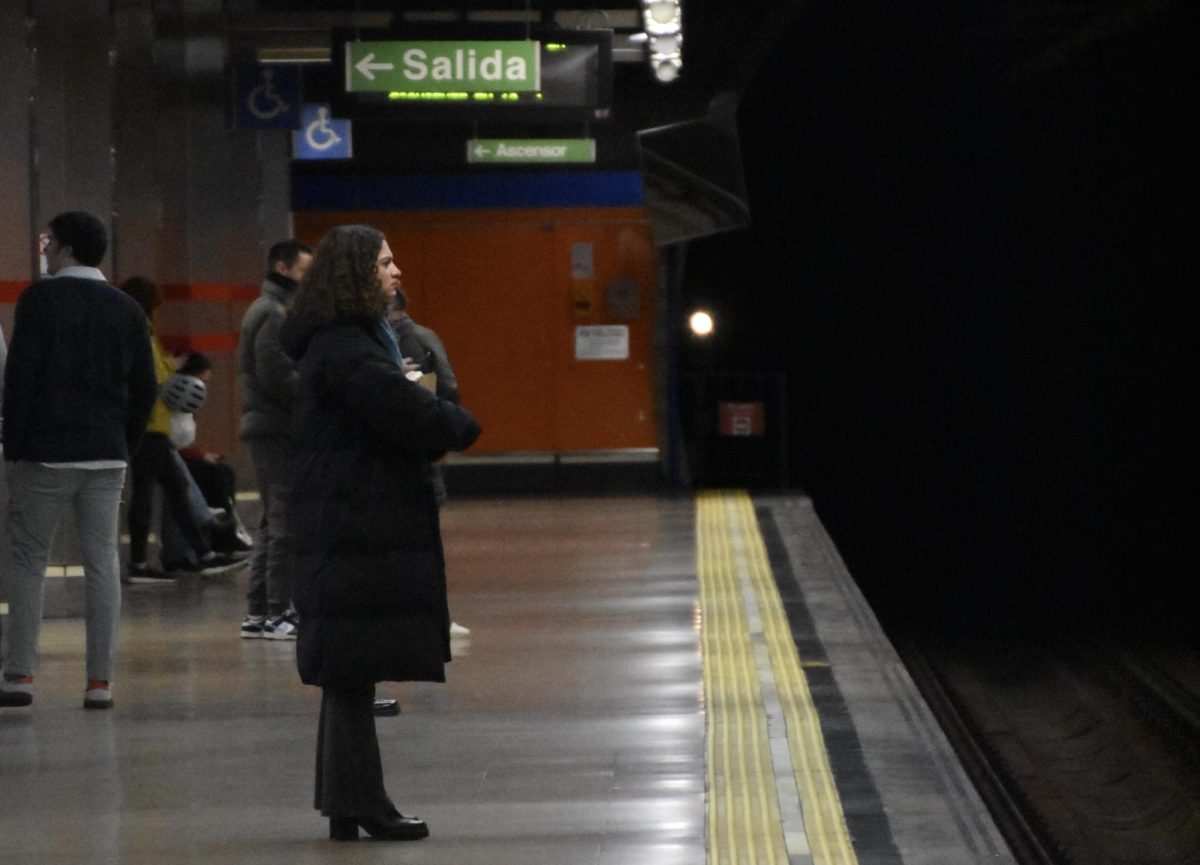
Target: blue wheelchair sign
[267,95]
[321,136]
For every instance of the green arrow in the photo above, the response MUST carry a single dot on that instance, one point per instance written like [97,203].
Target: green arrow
[531,150]
[368,68]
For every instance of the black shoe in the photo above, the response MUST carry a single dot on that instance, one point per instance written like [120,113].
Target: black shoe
[216,564]
[225,538]
[17,691]
[180,567]
[393,827]
[234,549]
[386,706]
[15,698]
[146,574]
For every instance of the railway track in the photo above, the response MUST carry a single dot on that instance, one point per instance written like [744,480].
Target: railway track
[1085,754]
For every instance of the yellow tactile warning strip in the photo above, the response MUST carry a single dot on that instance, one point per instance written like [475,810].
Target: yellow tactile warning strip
[743,820]
[750,661]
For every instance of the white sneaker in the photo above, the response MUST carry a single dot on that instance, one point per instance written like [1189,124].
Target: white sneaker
[457,630]
[284,627]
[98,695]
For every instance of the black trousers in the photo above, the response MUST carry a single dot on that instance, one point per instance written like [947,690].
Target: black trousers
[349,770]
[154,463]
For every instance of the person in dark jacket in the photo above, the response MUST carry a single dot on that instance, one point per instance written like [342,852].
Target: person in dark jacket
[267,379]
[369,578]
[423,351]
[79,388]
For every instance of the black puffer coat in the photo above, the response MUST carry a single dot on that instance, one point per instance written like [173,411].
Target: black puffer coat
[369,578]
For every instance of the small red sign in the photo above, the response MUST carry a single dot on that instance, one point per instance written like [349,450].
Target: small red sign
[740,418]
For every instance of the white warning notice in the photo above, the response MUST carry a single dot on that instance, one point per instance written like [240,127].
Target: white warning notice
[602,342]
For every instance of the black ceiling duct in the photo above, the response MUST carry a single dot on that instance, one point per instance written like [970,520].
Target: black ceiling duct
[693,177]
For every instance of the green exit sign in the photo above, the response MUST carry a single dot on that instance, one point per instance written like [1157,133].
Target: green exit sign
[442,67]
[530,150]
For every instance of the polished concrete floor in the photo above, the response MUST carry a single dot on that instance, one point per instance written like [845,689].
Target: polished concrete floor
[569,730]
[575,727]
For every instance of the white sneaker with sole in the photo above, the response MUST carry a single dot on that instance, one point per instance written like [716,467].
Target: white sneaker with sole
[284,627]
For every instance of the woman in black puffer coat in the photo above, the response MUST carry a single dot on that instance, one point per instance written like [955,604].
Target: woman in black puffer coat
[369,578]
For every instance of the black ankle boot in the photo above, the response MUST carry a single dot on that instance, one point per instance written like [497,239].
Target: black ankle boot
[395,827]
[391,827]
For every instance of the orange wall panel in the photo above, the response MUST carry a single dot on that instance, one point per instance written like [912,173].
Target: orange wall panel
[499,289]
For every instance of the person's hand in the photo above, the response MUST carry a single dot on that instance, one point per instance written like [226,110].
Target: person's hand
[411,365]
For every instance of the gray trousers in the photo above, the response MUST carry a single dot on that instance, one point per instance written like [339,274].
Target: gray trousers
[38,497]
[270,591]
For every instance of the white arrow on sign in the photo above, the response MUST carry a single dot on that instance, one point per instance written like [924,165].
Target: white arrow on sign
[367,68]
[480,150]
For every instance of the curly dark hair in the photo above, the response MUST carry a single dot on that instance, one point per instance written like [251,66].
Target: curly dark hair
[342,280]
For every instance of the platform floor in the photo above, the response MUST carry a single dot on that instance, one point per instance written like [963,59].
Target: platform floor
[631,694]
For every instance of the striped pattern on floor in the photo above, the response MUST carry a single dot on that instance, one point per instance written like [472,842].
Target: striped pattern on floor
[771,795]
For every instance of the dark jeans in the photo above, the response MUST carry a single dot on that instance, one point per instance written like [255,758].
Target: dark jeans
[349,770]
[155,463]
[216,481]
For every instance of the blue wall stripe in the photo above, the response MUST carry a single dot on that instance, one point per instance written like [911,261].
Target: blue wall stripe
[480,191]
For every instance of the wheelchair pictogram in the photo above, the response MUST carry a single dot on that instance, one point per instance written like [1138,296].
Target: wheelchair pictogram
[319,134]
[266,96]
[264,101]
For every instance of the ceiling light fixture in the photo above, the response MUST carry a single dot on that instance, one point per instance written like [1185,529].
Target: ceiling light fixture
[663,22]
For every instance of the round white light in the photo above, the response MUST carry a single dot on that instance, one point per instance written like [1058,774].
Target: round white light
[665,45]
[664,11]
[701,323]
[666,70]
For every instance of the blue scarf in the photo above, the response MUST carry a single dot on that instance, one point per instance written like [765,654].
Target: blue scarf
[389,339]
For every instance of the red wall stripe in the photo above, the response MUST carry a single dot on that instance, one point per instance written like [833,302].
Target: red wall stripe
[209,343]
[213,291]
[226,292]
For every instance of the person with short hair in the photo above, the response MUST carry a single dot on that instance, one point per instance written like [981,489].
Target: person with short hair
[267,379]
[79,388]
[370,582]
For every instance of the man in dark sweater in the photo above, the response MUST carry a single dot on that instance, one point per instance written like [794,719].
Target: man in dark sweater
[78,390]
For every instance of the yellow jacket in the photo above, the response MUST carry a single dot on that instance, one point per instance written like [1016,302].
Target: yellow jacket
[164,368]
